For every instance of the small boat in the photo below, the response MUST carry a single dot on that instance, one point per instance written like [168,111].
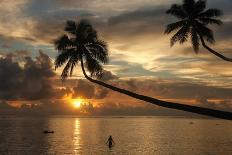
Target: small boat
[190,122]
[46,131]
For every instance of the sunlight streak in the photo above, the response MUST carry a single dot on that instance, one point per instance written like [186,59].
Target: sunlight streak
[77,145]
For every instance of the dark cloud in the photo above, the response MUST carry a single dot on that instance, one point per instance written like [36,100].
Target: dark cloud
[120,109]
[141,22]
[84,89]
[225,105]
[143,15]
[101,92]
[89,90]
[180,90]
[224,32]
[46,30]
[45,107]
[132,84]
[108,75]
[224,5]
[49,18]
[33,81]
[11,75]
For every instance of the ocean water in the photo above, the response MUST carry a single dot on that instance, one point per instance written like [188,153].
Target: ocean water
[132,135]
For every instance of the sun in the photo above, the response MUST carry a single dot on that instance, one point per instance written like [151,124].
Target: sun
[77,103]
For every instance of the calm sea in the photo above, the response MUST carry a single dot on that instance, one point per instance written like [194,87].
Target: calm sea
[132,135]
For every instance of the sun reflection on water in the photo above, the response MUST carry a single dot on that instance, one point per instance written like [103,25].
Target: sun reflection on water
[77,144]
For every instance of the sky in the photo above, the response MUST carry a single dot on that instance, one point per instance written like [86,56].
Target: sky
[141,59]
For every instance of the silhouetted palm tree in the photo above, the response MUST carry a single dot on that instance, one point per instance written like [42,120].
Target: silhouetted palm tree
[193,22]
[82,45]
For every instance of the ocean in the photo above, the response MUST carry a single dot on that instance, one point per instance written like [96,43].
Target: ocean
[132,135]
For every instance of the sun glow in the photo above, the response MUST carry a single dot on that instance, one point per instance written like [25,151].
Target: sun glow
[77,103]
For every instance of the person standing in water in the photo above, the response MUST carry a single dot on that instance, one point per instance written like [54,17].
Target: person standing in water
[110,141]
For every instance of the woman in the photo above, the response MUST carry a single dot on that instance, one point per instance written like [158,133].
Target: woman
[110,141]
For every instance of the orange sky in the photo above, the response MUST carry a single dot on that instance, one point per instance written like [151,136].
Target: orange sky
[141,58]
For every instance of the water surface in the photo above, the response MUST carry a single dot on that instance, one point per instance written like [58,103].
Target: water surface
[133,135]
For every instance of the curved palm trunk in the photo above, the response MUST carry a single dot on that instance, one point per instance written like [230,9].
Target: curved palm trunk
[188,108]
[214,52]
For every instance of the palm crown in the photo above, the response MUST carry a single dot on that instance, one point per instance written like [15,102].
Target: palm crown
[80,43]
[194,20]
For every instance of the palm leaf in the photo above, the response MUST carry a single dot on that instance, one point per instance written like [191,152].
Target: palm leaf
[211,13]
[180,36]
[195,40]
[66,70]
[200,6]
[177,11]
[188,6]
[75,58]
[63,42]
[207,21]
[71,27]
[205,32]
[99,51]
[62,57]
[93,66]
[173,26]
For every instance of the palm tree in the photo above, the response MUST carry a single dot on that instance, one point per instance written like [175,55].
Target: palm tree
[193,22]
[82,44]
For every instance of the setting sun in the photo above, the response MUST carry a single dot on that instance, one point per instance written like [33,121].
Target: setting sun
[77,103]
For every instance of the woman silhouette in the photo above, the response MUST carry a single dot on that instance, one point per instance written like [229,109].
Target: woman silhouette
[110,141]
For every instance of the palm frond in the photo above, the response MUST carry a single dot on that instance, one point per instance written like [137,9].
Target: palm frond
[177,11]
[180,36]
[66,70]
[195,40]
[205,32]
[173,26]
[71,27]
[99,51]
[207,21]
[211,13]
[200,6]
[188,6]
[86,32]
[81,28]
[75,58]
[93,66]
[62,57]
[63,42]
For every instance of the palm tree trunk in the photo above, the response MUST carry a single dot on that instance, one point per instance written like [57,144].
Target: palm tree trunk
[178,106]
[214,52]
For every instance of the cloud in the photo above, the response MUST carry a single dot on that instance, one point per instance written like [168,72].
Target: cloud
[183,92]
[101,92]
[45,107]
[84,89]
[108,75]
[33,81]
[120,109]
[88,90]
[225,105]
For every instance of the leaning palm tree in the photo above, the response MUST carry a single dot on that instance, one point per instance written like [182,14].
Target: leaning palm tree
[81,44]
[193,22]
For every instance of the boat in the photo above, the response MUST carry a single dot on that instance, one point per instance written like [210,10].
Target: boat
[46,131]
